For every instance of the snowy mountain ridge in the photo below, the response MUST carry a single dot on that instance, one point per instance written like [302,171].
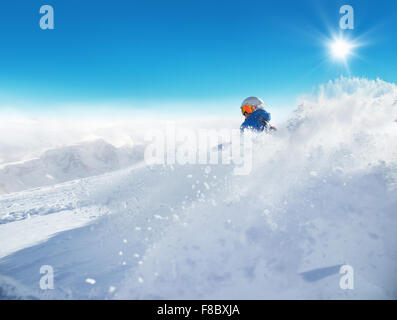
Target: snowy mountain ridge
[67,163]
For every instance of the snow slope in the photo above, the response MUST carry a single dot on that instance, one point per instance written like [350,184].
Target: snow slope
[322,193]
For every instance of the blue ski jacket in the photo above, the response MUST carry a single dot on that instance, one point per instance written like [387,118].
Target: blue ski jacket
[257,121]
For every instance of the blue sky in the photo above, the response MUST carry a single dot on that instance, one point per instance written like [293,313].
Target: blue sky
[159,53]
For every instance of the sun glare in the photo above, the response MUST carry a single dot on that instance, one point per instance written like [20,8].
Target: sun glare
[340,49]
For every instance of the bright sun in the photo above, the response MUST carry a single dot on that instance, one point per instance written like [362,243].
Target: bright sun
[341,48]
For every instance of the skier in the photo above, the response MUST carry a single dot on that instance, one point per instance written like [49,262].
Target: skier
[256,117]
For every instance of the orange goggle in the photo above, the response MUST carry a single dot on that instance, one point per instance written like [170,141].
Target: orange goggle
[247,109]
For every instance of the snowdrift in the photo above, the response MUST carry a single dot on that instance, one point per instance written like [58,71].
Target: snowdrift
[322,193]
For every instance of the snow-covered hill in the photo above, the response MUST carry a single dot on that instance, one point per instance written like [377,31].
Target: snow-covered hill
[67,163]
[322,193]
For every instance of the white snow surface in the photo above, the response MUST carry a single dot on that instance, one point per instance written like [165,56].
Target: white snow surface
[322,193]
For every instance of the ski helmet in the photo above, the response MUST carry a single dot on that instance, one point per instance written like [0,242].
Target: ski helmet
[253,101]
